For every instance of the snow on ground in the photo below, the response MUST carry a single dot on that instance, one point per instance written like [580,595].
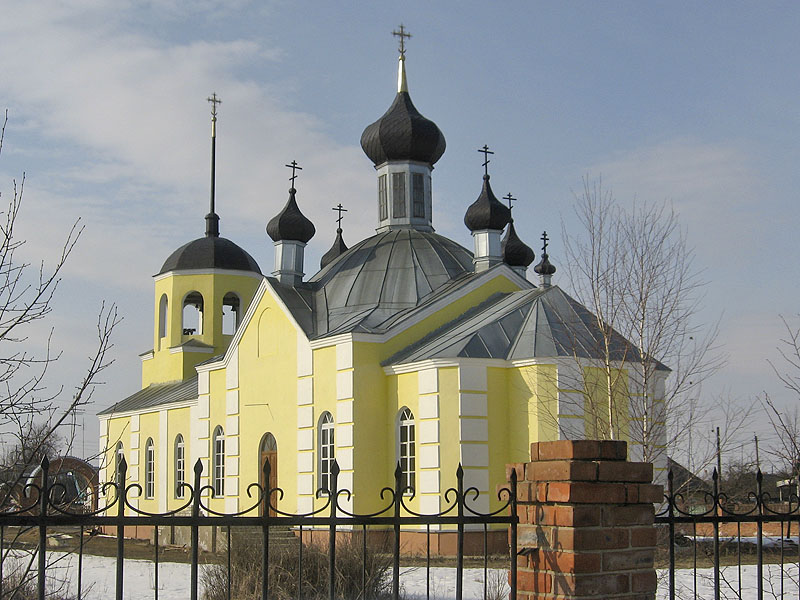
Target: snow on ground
[98,581]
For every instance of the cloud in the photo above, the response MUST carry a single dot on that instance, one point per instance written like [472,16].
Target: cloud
[110,120]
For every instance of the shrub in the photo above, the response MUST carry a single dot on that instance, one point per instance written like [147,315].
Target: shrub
[284,571]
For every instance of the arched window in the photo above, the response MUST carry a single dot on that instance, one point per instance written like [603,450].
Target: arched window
[119,455]
[193,314]
[230,313]
[218,442]
[180,466]
[406,450]
[326,456]
[162,316]
[149,469]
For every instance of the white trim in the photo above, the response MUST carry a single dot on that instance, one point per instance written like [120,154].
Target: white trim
[189,349]
[236,272]
[442,363]
[341,338]
[147,355]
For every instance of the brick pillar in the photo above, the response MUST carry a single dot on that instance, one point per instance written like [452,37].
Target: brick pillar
[586,522]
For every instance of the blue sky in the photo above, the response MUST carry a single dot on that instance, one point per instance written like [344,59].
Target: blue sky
[695,103]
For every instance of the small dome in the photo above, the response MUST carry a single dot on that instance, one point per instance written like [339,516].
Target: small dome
[402,133]
[210,253]
[487,212]
[338,248]
[515,252]
[290,223]
[544,267]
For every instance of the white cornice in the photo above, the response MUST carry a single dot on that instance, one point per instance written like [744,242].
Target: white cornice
[341,338]
[147,355]
[188,349]
[441,363]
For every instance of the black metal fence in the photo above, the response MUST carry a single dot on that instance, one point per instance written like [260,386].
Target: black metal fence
[46,511]
[721,537]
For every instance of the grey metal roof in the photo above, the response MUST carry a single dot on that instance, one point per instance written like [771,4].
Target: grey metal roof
[299,301]
[382,276]
[155,395]
[537,323]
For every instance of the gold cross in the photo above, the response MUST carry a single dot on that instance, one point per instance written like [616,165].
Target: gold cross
[402,34]
[214,101]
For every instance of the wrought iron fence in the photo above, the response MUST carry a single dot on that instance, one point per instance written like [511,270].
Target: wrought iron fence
[46,510]
[713,527]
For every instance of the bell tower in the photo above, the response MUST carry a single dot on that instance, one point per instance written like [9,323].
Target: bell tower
[201,294]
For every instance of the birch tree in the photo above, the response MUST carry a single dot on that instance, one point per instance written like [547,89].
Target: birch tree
[633,269]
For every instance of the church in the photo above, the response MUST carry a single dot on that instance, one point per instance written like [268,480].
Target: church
[404,349]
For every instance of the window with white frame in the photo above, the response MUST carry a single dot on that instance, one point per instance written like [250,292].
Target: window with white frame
[218,442]
[406,451]
[149,469]
[180,466]
[326,451]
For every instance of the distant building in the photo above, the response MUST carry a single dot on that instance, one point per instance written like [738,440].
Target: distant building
[404,348]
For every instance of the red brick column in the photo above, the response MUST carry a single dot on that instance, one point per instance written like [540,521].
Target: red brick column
[586,522]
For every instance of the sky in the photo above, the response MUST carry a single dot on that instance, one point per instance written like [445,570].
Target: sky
[691,103]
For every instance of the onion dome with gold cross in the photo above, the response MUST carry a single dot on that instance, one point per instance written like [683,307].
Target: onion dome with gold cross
[402,133]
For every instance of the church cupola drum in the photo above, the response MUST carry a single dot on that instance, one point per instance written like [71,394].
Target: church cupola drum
[403,145]
[290,230]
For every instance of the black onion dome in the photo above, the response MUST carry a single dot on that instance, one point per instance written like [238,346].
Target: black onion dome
[487,212]
[515,252]
[402,133]
[210,253]
[338,248]
[544,267]
[290,223]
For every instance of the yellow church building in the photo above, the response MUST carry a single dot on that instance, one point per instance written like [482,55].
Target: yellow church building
[405,348]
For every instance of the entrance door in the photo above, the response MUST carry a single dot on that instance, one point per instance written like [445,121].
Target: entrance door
[268,452]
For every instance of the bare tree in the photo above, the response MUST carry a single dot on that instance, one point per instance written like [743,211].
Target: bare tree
[33,416]
[785,423]
[634,271]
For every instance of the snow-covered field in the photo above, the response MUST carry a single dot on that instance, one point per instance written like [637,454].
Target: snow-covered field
[99,580]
